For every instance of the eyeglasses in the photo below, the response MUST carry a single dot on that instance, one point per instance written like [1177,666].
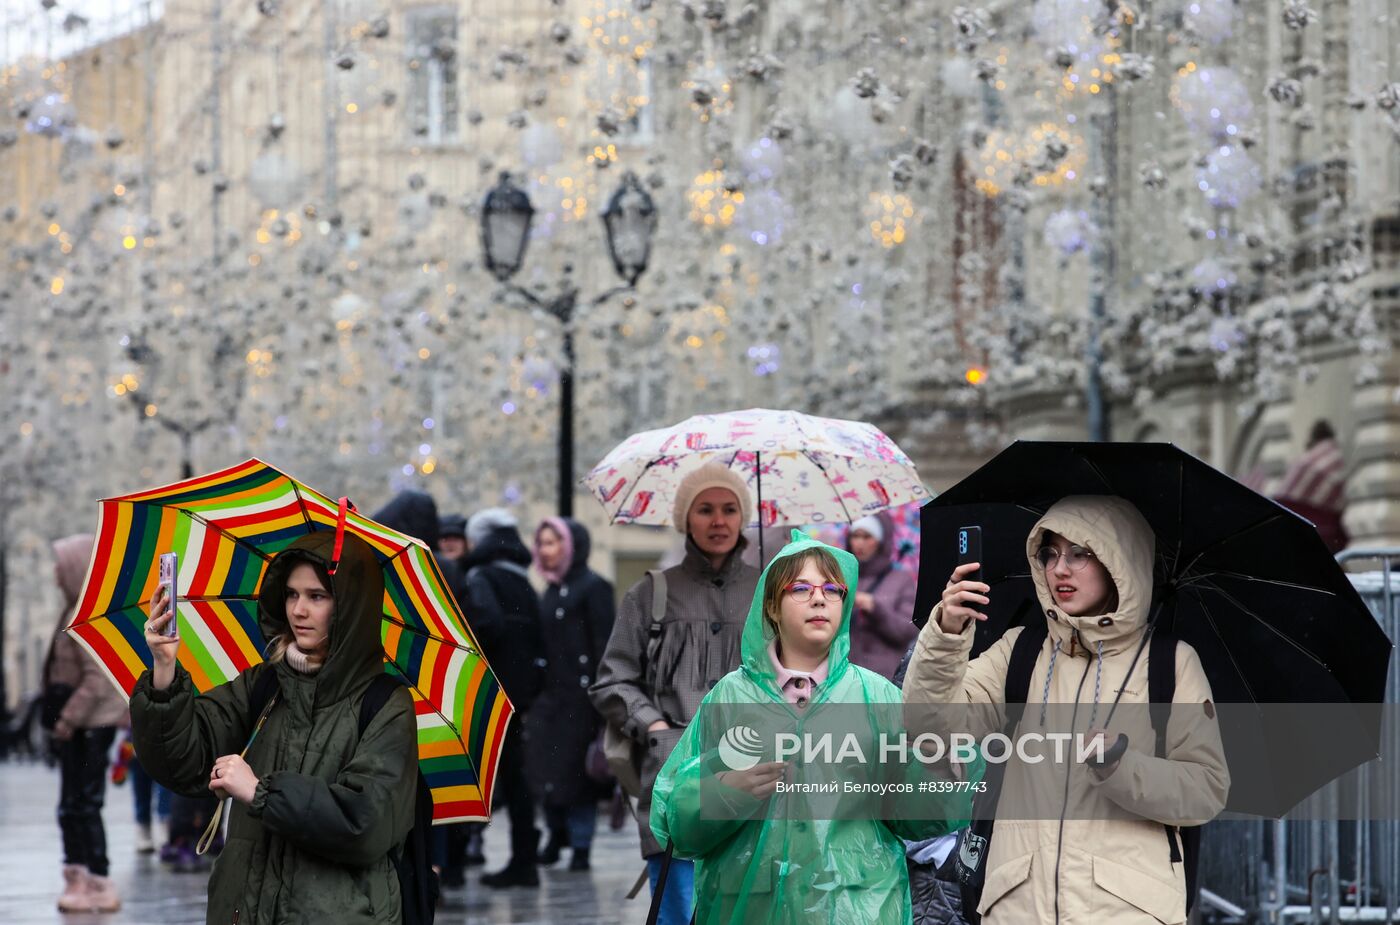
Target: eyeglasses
[801,591]
[1077,558]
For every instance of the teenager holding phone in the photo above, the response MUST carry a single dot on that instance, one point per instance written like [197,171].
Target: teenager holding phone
[764,860]
[319,809]
[1113,854]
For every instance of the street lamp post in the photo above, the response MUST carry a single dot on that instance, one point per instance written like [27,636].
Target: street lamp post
[630,223]
[141,353]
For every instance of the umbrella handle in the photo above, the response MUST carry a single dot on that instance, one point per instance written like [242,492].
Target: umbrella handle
[342,511]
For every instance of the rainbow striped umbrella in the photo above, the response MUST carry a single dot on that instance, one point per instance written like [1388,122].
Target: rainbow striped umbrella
[226,526]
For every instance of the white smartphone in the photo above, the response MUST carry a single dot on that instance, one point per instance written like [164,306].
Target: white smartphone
[169,569]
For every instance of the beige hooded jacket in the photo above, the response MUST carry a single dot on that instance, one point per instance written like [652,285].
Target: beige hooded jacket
[1106,859]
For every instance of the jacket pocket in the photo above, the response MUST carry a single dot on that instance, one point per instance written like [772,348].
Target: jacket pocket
[1003,880]
[1165,902]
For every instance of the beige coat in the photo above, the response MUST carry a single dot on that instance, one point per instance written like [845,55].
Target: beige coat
[1106,858]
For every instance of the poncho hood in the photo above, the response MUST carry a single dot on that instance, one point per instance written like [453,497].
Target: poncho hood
[758,633]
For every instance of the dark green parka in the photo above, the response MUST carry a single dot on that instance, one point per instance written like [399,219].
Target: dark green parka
[314,845]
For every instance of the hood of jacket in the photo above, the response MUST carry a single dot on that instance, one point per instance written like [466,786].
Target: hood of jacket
[501,544]
[758,633]
[577,547]
[356,652]
[1123,541]
[72,555]
[412,513]
[883,560]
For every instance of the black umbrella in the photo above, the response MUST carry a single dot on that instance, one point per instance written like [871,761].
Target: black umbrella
[1248,583]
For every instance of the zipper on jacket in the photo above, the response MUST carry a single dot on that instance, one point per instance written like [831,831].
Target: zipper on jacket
[235,917]
[1064,804]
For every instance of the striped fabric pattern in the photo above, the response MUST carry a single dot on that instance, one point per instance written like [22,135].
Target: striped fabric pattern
[226,527]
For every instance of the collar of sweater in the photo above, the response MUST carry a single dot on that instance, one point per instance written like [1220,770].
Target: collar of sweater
[301,662]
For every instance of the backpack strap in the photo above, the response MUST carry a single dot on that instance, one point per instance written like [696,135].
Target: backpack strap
[1161,684]
[1161,689]
[414,859]
[1024,653]
[658,617]
[376,696]
[263,689]
[658,599]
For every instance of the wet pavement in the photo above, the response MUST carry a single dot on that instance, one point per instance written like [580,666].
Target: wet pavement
[31,860]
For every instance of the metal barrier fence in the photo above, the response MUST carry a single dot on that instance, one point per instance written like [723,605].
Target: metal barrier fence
[1313,870]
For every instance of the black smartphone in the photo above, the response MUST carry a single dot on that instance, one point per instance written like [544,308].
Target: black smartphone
[970,550]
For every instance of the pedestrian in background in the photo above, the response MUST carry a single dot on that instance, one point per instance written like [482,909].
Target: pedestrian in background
[452,536]
[320,810]
[458,846]
[576,617]
[883,625]
[415,514]
[145,795]
[84,709]
[504,613]
[658,666]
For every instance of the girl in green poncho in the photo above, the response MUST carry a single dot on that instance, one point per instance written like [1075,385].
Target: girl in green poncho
[766,850]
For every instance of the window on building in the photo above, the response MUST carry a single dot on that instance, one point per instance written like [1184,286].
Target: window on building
[431,48]
[640,127]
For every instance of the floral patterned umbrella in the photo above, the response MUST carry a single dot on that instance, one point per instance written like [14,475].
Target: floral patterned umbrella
[802,469]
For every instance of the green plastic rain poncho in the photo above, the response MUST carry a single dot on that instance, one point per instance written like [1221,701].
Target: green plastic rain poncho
[771,861]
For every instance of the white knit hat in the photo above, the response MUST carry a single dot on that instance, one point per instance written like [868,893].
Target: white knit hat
[711,475]
[870,524]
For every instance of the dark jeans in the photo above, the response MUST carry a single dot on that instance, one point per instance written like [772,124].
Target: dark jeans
[578,822]
[82,764]
[142,787]
[510,775]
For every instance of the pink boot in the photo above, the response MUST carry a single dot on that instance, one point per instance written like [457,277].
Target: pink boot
[75,894]
[102,894]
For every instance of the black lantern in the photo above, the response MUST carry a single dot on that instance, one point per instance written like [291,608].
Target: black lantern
[505,228]
[630,220]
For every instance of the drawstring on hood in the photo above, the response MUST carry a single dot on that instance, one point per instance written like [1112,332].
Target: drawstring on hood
[1098,681]
[1049,676]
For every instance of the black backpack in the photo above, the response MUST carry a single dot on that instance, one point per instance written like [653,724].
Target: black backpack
[418,883]
[967,864]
